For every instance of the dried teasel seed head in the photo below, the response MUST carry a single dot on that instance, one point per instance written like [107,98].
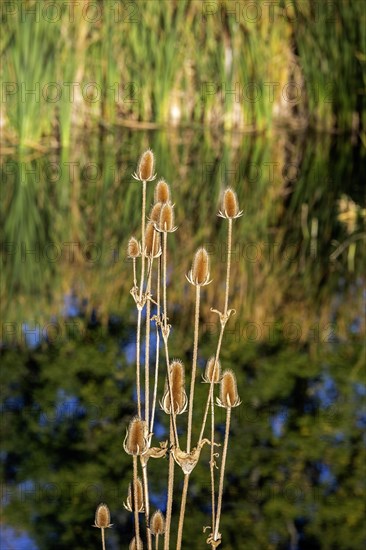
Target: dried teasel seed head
[166,221]
[228,390]
[145,170]
[136,440]
[230,205]
[213,371]
[130,504]
[200,274]
[155,212]
[162,192]
[152,240]
[157,523]
[180,399]
[102,517]
[133,248]
[133,544]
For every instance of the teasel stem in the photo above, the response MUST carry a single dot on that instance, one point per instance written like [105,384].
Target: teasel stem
[146,505]
[157,347]
[139,313]
[134,272]
[212,459]
[138,384]
[168,516]
[147,344]
[136,512]
[194,366]
[173,434]
[221,335]
[222,472]
[157,542]
[165,314]
[103,539]
[190,415]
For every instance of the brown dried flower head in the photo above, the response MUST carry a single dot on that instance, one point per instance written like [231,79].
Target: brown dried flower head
[133,248]
[228,391]
[136,441]
[155,212]
[102,517]
[133,544]
[130,504]
[157,523]
[166,220]
[213,371]
[199,275]
[162,192]
[146,166]
[180,398]
[230,205]
[152,241]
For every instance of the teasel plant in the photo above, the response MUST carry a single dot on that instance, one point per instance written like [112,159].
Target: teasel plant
[149,292]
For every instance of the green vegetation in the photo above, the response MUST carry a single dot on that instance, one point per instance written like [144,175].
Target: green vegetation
[75,66]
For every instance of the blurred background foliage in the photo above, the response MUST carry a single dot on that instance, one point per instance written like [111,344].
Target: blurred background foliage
[71,66]
[159,74]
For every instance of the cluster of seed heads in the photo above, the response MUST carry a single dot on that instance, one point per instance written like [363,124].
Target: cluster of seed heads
[174,401]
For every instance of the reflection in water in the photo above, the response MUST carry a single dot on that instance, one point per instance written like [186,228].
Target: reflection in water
[296,465]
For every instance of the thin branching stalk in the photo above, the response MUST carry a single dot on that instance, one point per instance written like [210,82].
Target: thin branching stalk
[212,459]
[146,505]
[222,472]
[175,439]
[157,347]
[170,490]
[139,313]
[194,366]
[147,344]
[223,325]
[135,504]
[190,415]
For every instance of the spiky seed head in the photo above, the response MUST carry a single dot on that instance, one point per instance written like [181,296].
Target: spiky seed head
[155,212]
[133,248]
[157,523]
[152,240]
[200,267]
[162,192]
[230,205]
[213,371]
[180,399]
[102,517]
[133,544]
[228,390]
[130,504]
[145,170]
[136,440]
[166,221]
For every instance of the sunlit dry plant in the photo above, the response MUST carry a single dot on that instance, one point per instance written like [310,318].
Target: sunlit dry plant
[162,192]
[180,399]
[146,166]
[149,293]
[199,275]
[129,504]
[136,441]
[102,520]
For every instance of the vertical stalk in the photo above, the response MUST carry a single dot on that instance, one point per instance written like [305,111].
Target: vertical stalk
[194,367]
[157,541]
[139,313]
[169,505]
[190,415]
[147,345]
[146,505]
[222,472]
[103,539]
[157,349]
[135,503]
